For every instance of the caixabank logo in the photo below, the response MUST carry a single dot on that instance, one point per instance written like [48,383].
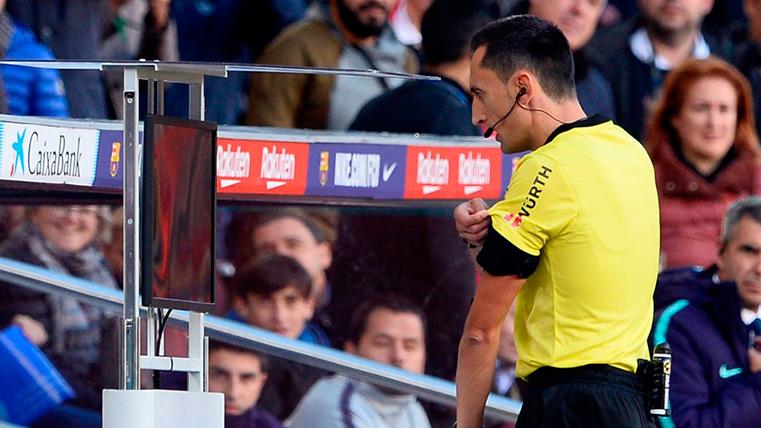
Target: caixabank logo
[46,154]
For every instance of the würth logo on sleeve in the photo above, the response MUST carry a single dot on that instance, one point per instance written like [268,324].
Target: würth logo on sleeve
[535,191]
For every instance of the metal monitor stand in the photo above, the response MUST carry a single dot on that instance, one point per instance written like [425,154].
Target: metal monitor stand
[129,406]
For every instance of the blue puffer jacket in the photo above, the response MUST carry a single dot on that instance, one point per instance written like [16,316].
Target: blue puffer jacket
[32,91]
[711,385]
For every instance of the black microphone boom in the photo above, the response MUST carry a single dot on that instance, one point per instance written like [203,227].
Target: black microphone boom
[490,130]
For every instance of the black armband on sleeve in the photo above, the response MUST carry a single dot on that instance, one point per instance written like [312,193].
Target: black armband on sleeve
[500,257]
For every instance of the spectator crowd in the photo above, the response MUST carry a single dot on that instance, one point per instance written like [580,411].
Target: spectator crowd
[682,76]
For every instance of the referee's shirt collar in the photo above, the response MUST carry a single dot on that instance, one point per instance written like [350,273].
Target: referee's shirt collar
[594,120]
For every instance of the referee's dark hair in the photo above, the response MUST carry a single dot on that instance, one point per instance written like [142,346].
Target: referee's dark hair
[391,302]
[447,28]
[531,43]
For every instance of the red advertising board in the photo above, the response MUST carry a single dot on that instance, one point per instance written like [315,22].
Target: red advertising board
[453,173]
[261,167]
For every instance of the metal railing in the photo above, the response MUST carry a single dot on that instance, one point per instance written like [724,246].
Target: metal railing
[423,386]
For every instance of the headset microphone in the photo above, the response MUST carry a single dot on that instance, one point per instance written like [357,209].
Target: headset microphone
[490,130]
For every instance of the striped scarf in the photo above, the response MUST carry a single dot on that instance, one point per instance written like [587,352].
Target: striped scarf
[76,327]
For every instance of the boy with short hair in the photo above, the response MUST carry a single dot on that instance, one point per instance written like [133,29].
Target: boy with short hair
[274,292]
[240,374]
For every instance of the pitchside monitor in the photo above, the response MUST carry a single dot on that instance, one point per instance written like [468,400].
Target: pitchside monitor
[178,213]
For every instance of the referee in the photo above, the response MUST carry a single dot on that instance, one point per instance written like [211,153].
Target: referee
[575,239]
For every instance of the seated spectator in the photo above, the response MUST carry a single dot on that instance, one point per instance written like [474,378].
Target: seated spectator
[139,29]
[716,369]
[724,14]
[292,232]
[637,55]
[63,239]
[441,107]
[746,52]
[240,374]
[24,90]
[418,255]
[72,30]
[415,253]
[336,33]
[135,29]
[11,217]
[274,293]
[578,21]
[406,20]
[307,236]
[617,11]
[389,330]
[705,153]
[112,245]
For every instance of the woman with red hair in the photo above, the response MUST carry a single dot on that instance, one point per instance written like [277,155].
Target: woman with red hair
[706,154]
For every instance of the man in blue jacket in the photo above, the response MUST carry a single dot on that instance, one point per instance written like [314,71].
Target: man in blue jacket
[709,323]
[25,90]
[71,29]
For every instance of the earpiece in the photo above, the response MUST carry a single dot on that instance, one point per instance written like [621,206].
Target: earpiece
[521,92]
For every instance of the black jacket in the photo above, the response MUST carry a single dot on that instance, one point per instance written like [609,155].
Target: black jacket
[711,385]
[633,82]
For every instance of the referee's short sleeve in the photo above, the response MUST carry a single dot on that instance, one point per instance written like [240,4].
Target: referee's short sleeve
[537,206]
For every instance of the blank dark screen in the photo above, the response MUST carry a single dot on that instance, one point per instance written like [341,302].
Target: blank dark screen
[183,214]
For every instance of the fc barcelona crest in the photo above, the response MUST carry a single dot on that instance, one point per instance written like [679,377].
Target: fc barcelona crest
[115,156]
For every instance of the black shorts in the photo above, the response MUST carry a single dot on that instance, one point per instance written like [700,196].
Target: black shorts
[588,396]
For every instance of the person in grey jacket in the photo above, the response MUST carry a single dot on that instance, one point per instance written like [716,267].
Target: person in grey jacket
[389,330]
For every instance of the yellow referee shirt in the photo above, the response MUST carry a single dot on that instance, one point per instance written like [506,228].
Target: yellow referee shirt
[586,204]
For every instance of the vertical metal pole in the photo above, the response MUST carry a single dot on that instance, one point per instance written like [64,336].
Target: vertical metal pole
[123,353]
[197,101]
[150,332]
[196,348]
[205,364]
[131,330]
[160,95]
[151,97]
[196,351]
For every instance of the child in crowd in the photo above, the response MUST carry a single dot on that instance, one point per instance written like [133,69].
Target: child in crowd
[274,292]
[240,374]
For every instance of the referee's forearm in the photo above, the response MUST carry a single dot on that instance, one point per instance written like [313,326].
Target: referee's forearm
[475,371]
